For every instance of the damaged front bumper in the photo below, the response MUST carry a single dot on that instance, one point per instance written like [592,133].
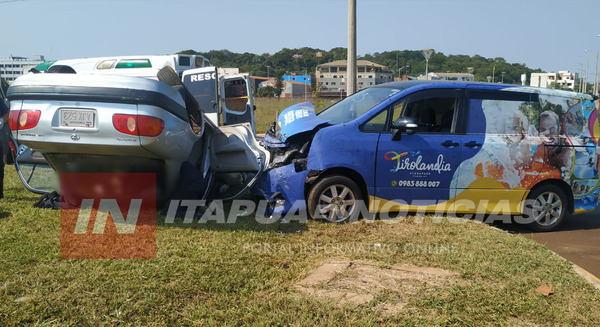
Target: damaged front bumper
[283,187]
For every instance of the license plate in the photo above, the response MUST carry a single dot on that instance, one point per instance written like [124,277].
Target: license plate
[77,118]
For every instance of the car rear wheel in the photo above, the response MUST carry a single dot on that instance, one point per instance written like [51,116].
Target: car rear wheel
[335,198]
[546,207]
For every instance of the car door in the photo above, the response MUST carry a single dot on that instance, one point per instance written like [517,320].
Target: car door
[237,105]
[418,169]
[202,84]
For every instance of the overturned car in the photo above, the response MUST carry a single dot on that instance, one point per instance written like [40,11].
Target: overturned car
[95,124]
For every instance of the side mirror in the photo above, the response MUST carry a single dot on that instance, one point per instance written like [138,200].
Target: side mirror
[406,125]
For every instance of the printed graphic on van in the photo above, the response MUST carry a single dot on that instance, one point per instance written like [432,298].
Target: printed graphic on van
[530,141]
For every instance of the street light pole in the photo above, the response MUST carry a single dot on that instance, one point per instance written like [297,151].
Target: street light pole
[305,81]
[503,77]
[596,76]
[580,76]
[427,54]
[587,72]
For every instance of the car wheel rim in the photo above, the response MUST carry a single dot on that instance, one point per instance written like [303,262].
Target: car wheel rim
[336,203]
[547,209]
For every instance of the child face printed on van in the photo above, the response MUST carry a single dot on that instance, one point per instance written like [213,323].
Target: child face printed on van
[549,127]
[516,128]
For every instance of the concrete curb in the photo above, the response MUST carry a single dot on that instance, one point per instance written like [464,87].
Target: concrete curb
[587,276]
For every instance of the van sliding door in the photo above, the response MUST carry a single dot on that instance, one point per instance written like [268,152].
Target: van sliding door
[236,100]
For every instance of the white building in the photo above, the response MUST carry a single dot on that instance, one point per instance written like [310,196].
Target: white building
[331,77]
[13,67]
[461,77]
[563,78]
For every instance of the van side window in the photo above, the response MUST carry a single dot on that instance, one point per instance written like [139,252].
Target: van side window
[434,110]
[184,61]
[513,114]
[134,63]
[397,109]
[106,64]
[376,124]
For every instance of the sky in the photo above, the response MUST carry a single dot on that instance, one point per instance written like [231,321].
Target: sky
[548,34]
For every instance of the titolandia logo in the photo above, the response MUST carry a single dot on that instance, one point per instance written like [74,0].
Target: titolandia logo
[108,216]
[403,162]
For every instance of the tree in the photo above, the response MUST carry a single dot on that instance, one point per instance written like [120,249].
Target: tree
[409,61]
[278,83]
[4,85]
[266,92]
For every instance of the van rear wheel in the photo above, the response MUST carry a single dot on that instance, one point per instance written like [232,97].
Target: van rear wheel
[335,198]
[546,208]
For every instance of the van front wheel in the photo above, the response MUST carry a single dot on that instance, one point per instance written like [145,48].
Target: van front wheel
[545,208]
[335,198]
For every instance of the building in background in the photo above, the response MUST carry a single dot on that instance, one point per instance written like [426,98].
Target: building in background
[460,77]
[564,79]
[332,76]
[294,86]
[13,67]
[298,78]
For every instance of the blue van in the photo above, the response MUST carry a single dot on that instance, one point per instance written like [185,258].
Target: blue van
[444,147]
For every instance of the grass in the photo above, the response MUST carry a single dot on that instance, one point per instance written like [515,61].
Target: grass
[268,109]
[244,274]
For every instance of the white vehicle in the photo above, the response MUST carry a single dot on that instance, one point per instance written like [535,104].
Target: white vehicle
[219,91]
[140,66]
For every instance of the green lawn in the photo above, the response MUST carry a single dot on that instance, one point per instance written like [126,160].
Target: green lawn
[267,109]
[245,274]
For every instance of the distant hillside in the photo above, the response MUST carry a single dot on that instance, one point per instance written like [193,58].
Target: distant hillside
[288,61]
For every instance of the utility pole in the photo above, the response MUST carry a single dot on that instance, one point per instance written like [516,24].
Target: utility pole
[351,71]
[580,77]
[587,69]
[596,76]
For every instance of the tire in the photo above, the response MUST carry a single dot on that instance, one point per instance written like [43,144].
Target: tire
[547,206]
[336,199]
[168,76]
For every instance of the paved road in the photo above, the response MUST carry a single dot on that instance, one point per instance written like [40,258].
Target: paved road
[577,240]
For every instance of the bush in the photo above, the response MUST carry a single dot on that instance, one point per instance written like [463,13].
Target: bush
[266,92]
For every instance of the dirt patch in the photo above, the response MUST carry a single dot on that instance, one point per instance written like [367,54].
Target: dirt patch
[355,283]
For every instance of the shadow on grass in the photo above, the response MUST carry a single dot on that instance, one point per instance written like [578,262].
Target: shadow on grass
[223,219]
[245,223]
[4,214]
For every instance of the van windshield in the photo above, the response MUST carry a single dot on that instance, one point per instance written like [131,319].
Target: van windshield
[356,104]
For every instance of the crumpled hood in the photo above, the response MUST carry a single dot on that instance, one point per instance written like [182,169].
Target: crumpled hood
[297,119]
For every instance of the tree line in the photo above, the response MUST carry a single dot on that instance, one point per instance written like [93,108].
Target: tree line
[400,62]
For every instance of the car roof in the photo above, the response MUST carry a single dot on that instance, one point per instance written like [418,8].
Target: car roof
[447,84]
[422,85]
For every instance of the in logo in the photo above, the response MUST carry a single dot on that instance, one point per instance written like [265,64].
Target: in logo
[108,215]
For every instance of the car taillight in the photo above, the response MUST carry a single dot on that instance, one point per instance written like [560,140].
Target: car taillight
[138,125]
[150,126]
[23,119]
[13,119]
